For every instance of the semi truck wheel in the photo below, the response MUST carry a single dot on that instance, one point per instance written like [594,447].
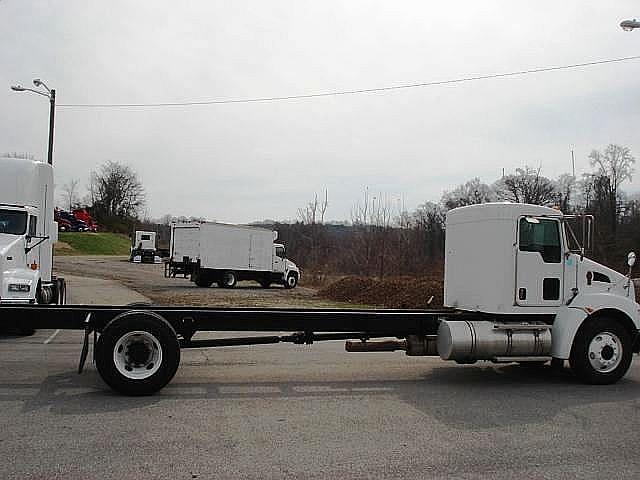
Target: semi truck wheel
[265,283]
[137,353]
[228,279]
[601,352]
[291,281]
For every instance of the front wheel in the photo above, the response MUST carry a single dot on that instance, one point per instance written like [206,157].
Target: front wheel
[291,281]
[137,353]
[601,352]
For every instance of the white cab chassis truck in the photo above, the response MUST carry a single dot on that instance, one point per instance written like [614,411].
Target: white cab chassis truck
[517,286]
[143,248]
[27,234]
[227,254]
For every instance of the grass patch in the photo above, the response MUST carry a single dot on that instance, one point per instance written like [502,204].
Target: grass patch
[84,243]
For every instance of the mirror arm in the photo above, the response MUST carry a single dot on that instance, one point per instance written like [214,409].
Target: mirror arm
[42,239]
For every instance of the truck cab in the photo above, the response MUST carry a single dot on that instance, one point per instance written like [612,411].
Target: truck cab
[282,265]
[522,271]
[27,232]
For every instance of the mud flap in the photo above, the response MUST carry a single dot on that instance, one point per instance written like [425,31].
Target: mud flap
[85,343]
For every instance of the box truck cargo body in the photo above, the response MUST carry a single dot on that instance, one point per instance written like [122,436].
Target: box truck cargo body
[183,248]
[229,253]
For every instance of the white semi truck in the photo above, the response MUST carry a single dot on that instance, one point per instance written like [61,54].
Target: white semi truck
[225,254]
[143,248]
[518,288]
[27,234]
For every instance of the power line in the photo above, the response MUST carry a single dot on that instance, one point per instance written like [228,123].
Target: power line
[348,92]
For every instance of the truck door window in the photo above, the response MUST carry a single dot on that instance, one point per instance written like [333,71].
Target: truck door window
[33,222]
[13,222]
[280,252]
[542,236]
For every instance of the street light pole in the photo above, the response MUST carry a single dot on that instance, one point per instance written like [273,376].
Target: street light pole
[51,95]
[52,113]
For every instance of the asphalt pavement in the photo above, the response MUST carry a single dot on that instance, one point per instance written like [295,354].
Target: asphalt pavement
[282,411]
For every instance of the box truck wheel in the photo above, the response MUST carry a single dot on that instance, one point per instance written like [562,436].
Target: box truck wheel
[137,353]
[203,281]
[601,352]
[291,281]
[228,279]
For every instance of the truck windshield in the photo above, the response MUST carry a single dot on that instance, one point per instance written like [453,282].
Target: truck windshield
[13,222]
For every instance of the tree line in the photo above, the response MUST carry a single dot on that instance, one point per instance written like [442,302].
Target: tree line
[382,238]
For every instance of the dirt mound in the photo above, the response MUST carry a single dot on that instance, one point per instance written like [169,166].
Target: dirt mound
[396,292]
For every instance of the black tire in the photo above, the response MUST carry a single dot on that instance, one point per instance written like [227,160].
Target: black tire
[118,330]
[228,279]
[203,281]
[291,281]
[599,340]
[265,283]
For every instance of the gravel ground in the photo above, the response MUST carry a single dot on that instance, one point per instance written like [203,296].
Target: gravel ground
[149,281]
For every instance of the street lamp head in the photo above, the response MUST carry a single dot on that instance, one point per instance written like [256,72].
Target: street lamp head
[628,25]
[17,88]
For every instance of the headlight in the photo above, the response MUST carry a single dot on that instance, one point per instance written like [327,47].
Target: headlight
[19,287]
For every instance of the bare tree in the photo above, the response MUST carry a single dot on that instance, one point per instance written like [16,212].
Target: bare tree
[565,188]
[116,191]
[526,186]
[615,164]
[315,210]
[469,193]
[70,193]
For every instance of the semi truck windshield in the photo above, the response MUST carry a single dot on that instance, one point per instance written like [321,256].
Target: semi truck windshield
[13,222]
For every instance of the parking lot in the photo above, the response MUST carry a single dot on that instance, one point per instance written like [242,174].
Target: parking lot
[306,412]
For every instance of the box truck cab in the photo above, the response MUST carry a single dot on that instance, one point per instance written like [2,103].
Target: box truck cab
[27,232]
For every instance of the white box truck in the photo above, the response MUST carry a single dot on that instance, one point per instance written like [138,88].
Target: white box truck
[27,233]
[227,254]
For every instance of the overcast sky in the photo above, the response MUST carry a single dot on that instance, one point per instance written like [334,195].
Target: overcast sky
[244,162]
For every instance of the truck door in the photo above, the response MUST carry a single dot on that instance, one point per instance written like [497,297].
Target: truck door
[539,265]
[278,258]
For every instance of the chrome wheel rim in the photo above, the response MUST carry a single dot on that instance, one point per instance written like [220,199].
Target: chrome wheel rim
[137,355]
[605,352]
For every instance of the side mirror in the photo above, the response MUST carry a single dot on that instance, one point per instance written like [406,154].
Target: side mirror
[631,259]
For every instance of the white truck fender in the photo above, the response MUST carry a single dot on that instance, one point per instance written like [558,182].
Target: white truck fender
[569,318]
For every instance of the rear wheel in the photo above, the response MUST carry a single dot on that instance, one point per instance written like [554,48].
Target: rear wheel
[228,279]
[137,353]
[203,281]
[601,352]
[265,283]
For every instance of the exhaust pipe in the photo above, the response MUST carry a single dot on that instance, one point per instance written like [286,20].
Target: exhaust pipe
[413,345]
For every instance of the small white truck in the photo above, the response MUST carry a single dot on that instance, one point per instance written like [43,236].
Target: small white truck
[225,254]
[143,248]
[27,233]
